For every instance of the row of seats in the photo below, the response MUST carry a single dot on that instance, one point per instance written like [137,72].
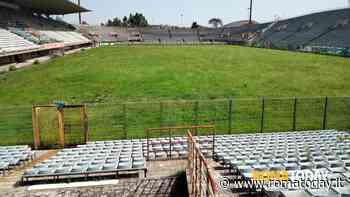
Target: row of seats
[26,19]
[324,152]
[318,29]
[67,37]
[91,158]
[10,42]
[12,156]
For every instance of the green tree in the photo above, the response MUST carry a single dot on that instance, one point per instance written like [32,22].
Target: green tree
[215,22]
[194,25]
[117,22]
[125,21]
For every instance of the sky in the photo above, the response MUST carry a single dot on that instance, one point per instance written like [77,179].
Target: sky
[184,12]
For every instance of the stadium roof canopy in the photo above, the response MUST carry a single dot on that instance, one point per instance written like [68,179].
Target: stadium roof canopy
[52,7]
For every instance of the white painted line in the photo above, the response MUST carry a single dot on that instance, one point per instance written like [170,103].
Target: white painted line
[72,185]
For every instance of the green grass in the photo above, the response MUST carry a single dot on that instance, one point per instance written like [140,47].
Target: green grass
[170,73]
[144,74]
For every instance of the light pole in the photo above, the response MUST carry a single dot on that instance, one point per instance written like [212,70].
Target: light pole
[250,11]
[79,13]
[182,20]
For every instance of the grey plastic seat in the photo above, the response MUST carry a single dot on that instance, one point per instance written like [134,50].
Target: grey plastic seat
[260,167]
[335,164]
[31,172]
[46,171]
[320,164]
[161,155]
[94,168]
[138,164]
[291,166]
[278,160]
[109,167]
[276,167]
[342,191]
[79,169]
[322,193]
[251,162]
[306,165]
[63,170]
[245,169]
[124,165]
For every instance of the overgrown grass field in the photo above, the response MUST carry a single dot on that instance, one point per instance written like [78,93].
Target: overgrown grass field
[145,74]
[170,72]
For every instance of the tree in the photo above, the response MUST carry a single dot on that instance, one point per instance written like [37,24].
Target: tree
[137,20]
[134,20]
[216,22]
[117,22]
[194,25]
[109,22]
[125,21]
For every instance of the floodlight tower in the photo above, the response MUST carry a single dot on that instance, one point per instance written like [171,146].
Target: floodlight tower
[79,13]
[251,11]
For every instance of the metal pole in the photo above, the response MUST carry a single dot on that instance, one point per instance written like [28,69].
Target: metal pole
[324,123]
[295,113]
[161,114]
[250,11]
[262,115]
[79,13]
[196,109]
[125,126]
[230,116]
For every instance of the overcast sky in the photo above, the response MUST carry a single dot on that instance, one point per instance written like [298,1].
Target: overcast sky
[170,11]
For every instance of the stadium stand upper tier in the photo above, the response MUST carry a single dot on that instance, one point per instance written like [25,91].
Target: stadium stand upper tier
[27,28]
[322,29]
[10,43]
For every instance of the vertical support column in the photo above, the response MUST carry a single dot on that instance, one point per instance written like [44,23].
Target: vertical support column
[79,14]
[36,129]
[325,110]
[85,123]
[125,125]
[230,102]
[161,114]
[60,115]
[200,176]
[214,138]
[295,114]
[196,109]
[170,142]
[262,115]
[147,135]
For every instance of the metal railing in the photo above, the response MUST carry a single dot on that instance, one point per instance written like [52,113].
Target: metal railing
[127,120]
[178,131]
[201,179]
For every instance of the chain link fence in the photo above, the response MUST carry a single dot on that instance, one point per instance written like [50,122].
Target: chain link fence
[110,121]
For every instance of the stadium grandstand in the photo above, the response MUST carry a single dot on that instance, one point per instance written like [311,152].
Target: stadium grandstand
[28,29]
[321,32]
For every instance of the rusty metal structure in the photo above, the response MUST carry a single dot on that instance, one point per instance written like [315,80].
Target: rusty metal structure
[62,127]
[200,175]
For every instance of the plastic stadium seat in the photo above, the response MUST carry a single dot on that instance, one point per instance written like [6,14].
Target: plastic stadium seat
[31,172]
[109,167]
[124,165]
[62,170]
[95,168]
[138,164]
[291,166]
[46,171]
[79,169]
[244,169]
